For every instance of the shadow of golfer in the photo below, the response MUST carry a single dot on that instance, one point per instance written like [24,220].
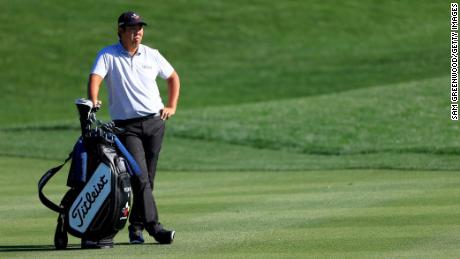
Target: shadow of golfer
[133,245]
[37,248]
[32,248]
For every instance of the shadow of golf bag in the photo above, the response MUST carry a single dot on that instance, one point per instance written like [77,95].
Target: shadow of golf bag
[98,203]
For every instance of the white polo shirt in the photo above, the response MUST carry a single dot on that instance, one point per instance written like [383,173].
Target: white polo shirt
[133,91]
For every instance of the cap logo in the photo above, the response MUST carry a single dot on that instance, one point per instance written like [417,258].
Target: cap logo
[130,18]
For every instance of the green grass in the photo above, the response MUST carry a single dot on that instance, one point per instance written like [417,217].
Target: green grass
[305,128]
[227,52]
[303,214]
[363,128]
[386,118]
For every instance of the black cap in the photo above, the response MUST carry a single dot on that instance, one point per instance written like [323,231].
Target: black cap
[130,18]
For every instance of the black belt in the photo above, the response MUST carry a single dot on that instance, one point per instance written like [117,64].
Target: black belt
[134,120]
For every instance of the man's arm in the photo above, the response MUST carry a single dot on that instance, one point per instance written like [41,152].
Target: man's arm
[94,82]
[173,96]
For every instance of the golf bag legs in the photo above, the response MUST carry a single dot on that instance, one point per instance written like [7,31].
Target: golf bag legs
[60,236]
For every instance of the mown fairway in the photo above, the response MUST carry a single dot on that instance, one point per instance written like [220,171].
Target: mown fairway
[305,129]
[301,214]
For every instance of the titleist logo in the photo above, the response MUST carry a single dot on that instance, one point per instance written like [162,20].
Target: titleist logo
[90,199]
[82,207]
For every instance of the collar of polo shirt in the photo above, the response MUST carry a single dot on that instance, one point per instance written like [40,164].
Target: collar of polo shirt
[124,51]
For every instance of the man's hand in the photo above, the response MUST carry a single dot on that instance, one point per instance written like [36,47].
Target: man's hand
[173,91]
[97,104]
[167,112]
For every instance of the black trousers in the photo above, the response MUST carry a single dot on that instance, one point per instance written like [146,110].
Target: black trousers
[143,138]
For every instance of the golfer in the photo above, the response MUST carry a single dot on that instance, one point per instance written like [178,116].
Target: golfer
[129,69]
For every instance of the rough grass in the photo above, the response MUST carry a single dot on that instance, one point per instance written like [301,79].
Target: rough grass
[227,52]
[364,128]
[403,118]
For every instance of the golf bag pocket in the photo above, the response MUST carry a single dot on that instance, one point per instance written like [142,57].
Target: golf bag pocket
[78,167]
[90,200]
[101,208]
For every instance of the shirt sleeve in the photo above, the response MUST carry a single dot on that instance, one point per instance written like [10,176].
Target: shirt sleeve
[166,69]
[100,66]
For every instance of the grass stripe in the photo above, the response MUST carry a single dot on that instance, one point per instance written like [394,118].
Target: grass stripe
[286,214]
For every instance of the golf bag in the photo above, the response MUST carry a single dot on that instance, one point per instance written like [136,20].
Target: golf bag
[98,202]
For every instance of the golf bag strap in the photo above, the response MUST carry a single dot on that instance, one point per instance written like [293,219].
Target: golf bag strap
[41,184]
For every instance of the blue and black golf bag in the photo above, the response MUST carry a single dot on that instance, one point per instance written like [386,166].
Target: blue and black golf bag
[98,203]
